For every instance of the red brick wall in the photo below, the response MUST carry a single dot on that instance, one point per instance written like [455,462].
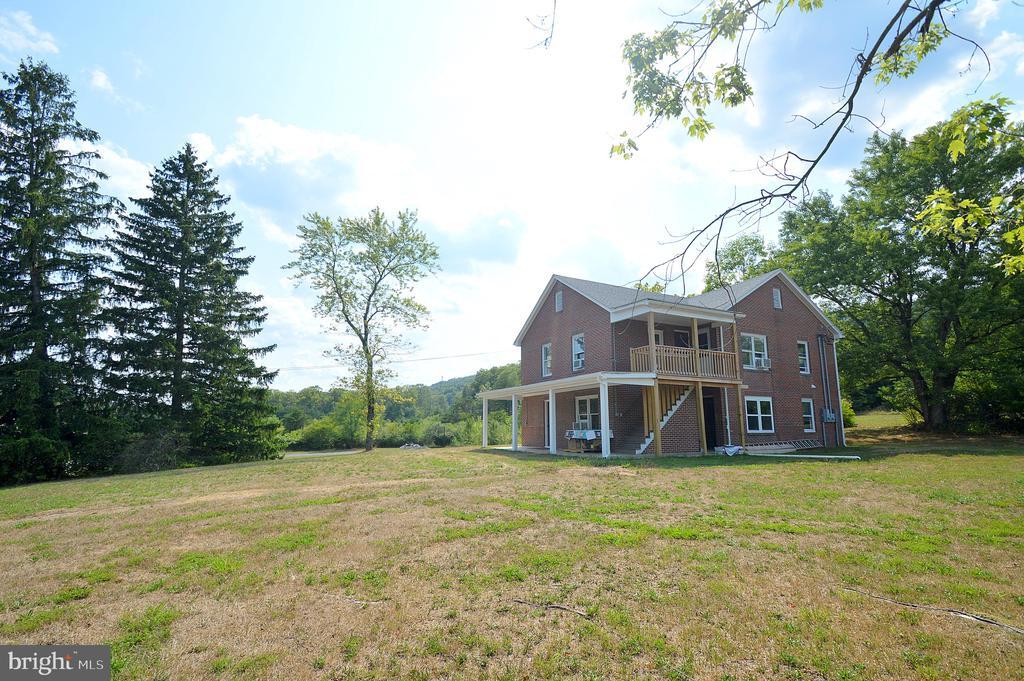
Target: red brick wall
[608,346]
[783,382]
[578,315]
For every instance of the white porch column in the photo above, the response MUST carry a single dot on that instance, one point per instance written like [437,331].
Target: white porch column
[485,423]
[552,411]
[515,423]
[606,441]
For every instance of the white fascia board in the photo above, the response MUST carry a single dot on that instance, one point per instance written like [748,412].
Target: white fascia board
[675,309]
[569,383]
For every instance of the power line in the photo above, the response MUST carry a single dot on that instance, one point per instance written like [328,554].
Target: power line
[396,361]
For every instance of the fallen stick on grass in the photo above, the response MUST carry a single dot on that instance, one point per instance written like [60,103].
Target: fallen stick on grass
[552,606]
[359,602]
[934,608]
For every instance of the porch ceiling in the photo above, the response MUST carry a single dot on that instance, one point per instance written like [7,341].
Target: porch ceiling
[570,383]
[672,313]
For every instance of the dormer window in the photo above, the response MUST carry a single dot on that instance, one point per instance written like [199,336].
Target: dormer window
[558,301]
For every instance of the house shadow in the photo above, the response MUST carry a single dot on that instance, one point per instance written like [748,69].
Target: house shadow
[661,462]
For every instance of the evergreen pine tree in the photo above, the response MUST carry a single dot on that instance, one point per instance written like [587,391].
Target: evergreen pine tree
[178,355]
[52,420]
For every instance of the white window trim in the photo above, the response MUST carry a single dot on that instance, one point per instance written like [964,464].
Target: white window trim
[580,398]
[659,337]
[583,355]
[753,353]
[807,355]
[777,298]
[810,401]
[559,301]
[545,362]
[760,416]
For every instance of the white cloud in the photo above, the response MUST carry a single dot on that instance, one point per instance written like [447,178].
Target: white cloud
[99,80]
[203,145]
[1006,52]
[19,34]
[983,12]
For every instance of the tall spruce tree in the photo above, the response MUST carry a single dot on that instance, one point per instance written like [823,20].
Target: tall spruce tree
[52,420]
[180,319]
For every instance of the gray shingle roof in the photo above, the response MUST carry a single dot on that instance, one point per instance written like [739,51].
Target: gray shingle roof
[611,296]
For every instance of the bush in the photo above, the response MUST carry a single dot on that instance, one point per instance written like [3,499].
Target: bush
[322,433]
[849,417]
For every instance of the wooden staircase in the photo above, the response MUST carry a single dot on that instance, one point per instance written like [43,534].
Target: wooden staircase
[671,395]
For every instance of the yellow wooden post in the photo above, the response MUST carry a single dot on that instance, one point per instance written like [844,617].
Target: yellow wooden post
[657,388]
[700,418]
[741,417]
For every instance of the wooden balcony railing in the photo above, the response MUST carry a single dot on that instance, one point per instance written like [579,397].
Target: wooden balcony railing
[688,362]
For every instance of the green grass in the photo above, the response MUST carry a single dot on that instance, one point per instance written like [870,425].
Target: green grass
[135,650]
[873,420]
[405,564]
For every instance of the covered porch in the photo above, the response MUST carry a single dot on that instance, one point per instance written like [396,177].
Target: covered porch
[597,423]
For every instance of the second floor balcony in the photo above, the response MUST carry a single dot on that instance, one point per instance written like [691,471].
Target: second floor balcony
[685,362]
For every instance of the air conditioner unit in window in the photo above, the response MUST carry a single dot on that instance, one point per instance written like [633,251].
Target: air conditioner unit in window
[762,363]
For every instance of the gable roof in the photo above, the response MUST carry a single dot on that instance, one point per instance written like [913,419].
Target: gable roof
[611,297]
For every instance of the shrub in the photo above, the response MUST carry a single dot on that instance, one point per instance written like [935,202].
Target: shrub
[849,417]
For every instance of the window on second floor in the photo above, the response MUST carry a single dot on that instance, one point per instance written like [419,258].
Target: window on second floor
[803,357]
[682,338]
[545,359]
[754,351]
[558,301]
[578,352]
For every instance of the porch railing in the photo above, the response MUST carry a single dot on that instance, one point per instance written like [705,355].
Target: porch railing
[688,362]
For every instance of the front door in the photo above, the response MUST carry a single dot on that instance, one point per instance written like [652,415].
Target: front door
[710,423]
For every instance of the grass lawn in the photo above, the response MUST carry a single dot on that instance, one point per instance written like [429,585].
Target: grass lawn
[409,564]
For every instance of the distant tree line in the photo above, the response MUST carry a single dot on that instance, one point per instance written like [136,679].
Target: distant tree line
[124,333]
[443,414]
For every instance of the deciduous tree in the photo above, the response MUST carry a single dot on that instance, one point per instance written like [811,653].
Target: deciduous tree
[363,270]
[924,308]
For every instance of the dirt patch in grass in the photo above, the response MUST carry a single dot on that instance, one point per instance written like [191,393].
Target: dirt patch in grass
[399,564]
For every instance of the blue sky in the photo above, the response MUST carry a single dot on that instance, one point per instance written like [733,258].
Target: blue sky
[338,107]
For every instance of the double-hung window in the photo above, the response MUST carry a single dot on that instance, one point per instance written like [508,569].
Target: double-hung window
[545,359]
[558,301]
[803,357]
[578,352]
[760,418]
[754,351]
[807,406]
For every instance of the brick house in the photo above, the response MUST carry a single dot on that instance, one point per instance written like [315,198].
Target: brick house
[752,364]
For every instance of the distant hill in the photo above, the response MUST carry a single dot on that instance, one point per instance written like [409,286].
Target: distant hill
[451,388]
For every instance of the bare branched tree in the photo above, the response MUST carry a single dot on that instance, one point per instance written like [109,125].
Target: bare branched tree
[676,74]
